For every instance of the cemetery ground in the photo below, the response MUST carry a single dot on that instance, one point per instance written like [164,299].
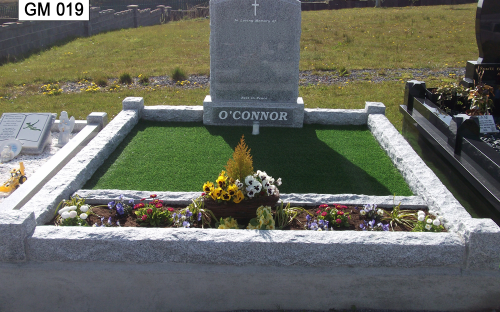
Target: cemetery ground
[334,44]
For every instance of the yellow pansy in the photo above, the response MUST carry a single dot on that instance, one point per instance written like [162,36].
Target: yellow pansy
[225,196]
[221,180]
[217,193]
[208,187]
[239,197]
[232,189]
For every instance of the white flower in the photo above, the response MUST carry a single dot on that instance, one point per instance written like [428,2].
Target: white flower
[436,222]
[72,214]
[249,180]
[262,175]
[65,215]
[239,184]
[421,217]
[278,182]
[257,187]
[84,208]
[63,210]
[362,212]
[83,216]
[250,193]
[429,221]
[380,212]
[72,208]
[428,226]
[257,173]
[420,212]
[271,190]
[433,213]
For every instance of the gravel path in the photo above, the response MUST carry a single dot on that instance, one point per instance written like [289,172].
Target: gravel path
[305,78]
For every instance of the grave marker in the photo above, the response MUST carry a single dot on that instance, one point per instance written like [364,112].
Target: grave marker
[254,63]
[31,129]
[488,43]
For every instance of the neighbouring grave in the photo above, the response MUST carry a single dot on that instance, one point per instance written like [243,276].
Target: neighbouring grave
[254,63]
[488,42]
[31,129]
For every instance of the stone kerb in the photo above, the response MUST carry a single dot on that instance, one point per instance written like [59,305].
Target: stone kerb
[74,175]
[456,252]
[247,247]
[323,116]
[15,227]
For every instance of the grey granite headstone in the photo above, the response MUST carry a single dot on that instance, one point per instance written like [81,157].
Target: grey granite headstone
[31,129]
[254,63]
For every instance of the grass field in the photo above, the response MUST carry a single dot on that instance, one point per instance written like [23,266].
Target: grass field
[314,159]
[412,37]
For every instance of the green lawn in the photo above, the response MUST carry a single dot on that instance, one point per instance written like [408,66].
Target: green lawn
[316,159]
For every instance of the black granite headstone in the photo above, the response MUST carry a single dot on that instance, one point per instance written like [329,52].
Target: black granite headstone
[488,43]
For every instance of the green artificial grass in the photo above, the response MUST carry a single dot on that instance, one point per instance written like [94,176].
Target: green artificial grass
[315,159]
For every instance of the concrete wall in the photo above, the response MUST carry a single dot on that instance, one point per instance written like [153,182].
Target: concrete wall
[344,4]
[18,38]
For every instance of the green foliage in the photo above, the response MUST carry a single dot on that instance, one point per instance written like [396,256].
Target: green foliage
[150,215]
[143,79]
[101,81]
[178,74]
[241,165]
[400,217]
[125,78]
[283,216]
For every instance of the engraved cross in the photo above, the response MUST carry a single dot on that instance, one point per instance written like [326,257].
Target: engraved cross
[255,5]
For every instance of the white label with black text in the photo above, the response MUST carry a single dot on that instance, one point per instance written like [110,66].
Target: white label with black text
[54,10]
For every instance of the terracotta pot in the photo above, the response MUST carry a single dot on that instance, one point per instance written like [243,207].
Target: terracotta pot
[246,209]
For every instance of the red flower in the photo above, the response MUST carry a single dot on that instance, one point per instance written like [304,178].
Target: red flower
[328,209]
[340,213]
[324,213]
[140,205]
[318,212]
[323,206]
[203,194]
[152,195]
[143,199]
[343,207]
[144,217]
[338,221]
[149,211]
[170,209]
[158,205]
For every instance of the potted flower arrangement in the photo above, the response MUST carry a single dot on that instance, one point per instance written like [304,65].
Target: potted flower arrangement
[238,190]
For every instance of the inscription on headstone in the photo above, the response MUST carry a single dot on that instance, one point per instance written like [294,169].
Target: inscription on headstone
[32,130]
[487,124]
[254,63]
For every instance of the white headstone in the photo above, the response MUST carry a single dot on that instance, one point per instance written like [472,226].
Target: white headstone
[487,124]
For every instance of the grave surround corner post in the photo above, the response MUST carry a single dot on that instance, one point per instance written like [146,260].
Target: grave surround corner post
[413,89]
[134,103]
[135,10]
[15,227]
[481,238]
[98,118]
[375,108]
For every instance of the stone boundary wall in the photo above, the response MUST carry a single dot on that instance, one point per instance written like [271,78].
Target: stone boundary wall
[346,4]
[18,38]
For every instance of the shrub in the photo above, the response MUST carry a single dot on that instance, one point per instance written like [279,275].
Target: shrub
[101,81]
[178,74]
[143,79]
[241,165]
[125,78]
